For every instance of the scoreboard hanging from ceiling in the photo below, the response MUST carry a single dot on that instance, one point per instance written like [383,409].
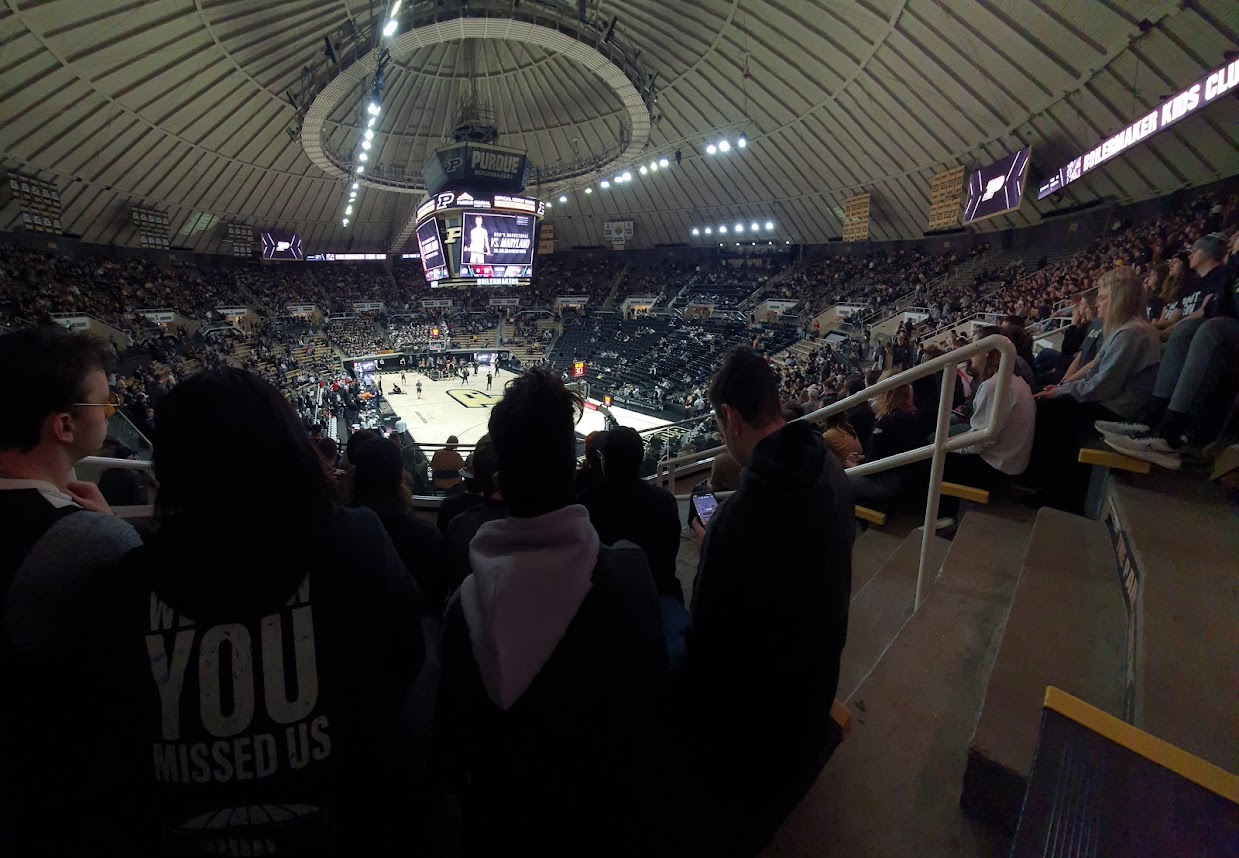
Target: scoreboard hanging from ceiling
[470,239]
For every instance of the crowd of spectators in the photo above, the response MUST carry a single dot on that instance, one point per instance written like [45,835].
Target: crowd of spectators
[498,682]
[518,658]
[360,334]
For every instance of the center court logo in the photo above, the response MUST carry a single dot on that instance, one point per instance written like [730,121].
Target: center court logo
[473,398]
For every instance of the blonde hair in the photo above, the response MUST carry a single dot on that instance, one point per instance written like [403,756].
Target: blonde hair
[896,399]
[1125,300]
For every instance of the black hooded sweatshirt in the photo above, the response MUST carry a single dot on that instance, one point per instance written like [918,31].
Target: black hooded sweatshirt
[251,694]
[769,621]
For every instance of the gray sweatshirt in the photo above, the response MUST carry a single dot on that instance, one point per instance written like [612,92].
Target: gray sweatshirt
[1124,371]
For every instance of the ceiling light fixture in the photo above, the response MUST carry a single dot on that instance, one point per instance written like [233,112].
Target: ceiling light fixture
[643,170]
[711,149]
[696,231]
[753,226]
[724,146]
[373,108]
[742,142]
[589,190]
[563,199]
[369,135]
[663,162]
[389,29]
[769,224]
[722,229]
[365,144]
[604,184]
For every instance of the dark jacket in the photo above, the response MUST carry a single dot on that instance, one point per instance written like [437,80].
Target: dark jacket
[862,419]
[646,515]
[897,432]
[769,621]
[422,550]
[268,676]
[553,670]
[460,532]
[454,505]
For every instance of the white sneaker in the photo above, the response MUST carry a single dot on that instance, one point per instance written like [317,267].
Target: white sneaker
[1149,448]
[1110,428]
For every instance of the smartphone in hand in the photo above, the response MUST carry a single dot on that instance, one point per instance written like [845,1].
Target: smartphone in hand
[705,505]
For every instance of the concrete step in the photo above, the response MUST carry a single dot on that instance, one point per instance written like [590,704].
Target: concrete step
[1067,627]
[892,787]
[1184,539]
[870,552]
[881,606]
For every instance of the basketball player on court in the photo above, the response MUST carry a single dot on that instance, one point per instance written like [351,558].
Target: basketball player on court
[479,243]
[419,388]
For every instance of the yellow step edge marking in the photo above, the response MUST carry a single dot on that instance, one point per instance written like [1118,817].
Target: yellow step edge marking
[967,493]
[870,515]
[1117,461]
[841,716]
[1159,751]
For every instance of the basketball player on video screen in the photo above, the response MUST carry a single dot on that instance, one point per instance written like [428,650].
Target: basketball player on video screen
[479,243]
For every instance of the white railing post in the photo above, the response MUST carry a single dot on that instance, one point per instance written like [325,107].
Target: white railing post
[941,434]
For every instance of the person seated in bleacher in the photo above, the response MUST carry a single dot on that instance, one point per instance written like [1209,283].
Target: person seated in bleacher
[445,466]
[1196,381]
[861,417]
[990,464]
[841,438]
[479,472]
[769,614]
[623,506]
[897,428]
[1080,342]
[259,647]
[379,483]
[589,472]
[553,659]
[1116,388]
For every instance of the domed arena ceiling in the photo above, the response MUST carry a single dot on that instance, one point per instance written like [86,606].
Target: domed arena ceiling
[198,108]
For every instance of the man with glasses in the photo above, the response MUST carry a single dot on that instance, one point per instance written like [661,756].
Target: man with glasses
[58,544]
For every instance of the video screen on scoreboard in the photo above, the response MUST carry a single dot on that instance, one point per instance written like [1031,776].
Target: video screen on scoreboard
[278,245]
[998,188]
[431,250]
[496,246]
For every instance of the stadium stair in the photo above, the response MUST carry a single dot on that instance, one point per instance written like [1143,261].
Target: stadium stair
[1187,653]
[914,683]
[1067,628]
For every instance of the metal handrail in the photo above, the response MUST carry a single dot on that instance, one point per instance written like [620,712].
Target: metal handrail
[942,444]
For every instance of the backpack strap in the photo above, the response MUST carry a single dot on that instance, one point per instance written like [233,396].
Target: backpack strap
[27,516]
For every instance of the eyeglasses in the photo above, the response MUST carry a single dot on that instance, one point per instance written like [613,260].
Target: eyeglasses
[109,407]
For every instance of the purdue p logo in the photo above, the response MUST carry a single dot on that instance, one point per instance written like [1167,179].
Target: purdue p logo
[473,398]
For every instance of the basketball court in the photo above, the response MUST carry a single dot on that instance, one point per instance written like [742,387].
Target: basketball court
[453,408]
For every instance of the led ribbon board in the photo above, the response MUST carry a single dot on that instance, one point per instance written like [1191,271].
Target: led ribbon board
[1202,93]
